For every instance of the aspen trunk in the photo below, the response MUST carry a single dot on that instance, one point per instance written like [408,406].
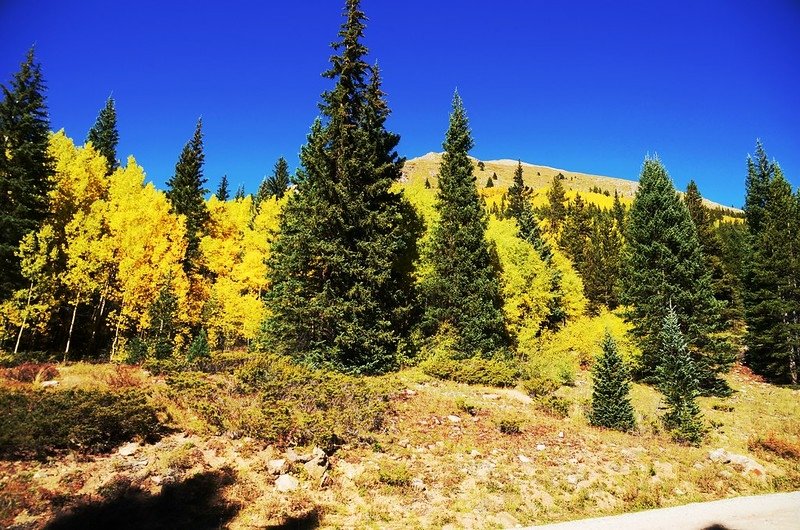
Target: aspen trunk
[72,325]
[24,319]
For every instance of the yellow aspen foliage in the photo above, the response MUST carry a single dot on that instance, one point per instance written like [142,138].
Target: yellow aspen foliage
[525,279]
[147,243]
[235,252]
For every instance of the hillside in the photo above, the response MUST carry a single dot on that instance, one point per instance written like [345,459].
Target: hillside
[537,177]
[443,455]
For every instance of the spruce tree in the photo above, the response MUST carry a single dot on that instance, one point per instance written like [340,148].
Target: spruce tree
[576,231]
[222,192]
[240,195]
[772,297]
[664,265]
[618,213]
[489,183]
[760,173]
[25,166]
[343,294]
[677,380]
[185,191]
[278,182]
[462,291]
[555,212]
[723,281]
[602,262]
[611,402]
[104,135]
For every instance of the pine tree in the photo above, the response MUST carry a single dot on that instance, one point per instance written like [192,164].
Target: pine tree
[25,166]
[772,297]
[342,265]
[104,135]
[577,228]
[462,291]
[185,192]
[602,262]
[677,380]
[555,212]
[611,402]
[240,195]
[199,348]
[222,191]
[278,182]
[664,265]
[722,281]
[489,183]
[427,183]
[618,213]
[760,173]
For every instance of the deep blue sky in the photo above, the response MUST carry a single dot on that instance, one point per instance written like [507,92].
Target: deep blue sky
[585,86]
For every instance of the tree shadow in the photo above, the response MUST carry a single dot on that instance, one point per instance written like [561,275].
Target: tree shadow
[716,526]
[195,503]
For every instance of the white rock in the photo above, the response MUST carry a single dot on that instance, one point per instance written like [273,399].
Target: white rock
[490,396]
[418,484]
[524,459]
[561,435]
[541,447]
[572,479]
[286,483]
[474,453]
[157,480]
[276,467]
[48,384]
[454,419]
[129,449]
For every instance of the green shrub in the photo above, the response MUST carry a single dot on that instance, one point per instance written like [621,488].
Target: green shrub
[466,406]
[537,384]
[509,425]
[473,370]
[554,406]
[38,423]
[198,349]
[395,474]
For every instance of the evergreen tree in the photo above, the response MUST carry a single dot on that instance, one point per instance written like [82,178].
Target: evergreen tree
[677,380]
[342,265]
[603,258]
[240,195]
[664,265]
[489,183]
[278,182]
[772,296]
[185,193]
[462,291]
[760,173]
[618,213]
[163,314]
[518,195]
[555,212]
[722,281]
[427,183]
[104,135]
[222,191]
[576,231]
[611,402]
[199,348]
[25,166]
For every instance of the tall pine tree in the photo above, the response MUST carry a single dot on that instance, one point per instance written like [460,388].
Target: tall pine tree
[664,267]
[279,181]
[104,135]
[772,297]
[26,167]
[555,212]
[222,192]
[462,291]
[186,191]
[723,282]
[342,265]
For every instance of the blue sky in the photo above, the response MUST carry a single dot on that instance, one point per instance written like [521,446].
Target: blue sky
[584,86]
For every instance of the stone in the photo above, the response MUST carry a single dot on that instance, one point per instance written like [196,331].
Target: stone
[561,435]
[141,463]
[572,479]
[128,449]
[583,484]
[541,447]
[454,419]
[351,471]
[742,463]
[474,453]
[404,442]
[418,484]
[315,468]
[326,481]
[319,453]
[524,459]
[49,384]
[293,456]
[157,480]
[277,466]
[286,483]
[490,396]
[663,469]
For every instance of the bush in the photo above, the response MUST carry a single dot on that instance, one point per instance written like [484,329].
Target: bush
[272,400]
[554,406]
[466,406]
[39,423]
[30,372]
[135,351]
[198,349]
[473,370]
[509,426]
[537,384]
[395,474]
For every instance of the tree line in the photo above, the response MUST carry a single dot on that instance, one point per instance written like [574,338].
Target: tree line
[339,266]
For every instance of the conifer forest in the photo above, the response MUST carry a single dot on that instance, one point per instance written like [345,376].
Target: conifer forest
[371,341]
